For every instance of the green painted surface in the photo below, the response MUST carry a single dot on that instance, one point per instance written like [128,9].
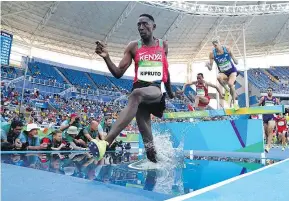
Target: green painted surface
[255,148]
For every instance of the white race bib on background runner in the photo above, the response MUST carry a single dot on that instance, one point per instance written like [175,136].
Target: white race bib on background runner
[200,92]
[281,123]
[150,71]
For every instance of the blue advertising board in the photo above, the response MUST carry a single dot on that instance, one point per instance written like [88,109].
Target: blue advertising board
[6,43]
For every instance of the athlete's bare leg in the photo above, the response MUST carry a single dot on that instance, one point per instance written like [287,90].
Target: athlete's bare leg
[270,128]
[149,94]
[200,99]
[231,83]
[266,131]
[283,139]
[223,79]
[143,119]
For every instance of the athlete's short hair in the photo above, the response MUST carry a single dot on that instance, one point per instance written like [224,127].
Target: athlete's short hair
[216,40]
[148,16]
[270,88]
[201,74]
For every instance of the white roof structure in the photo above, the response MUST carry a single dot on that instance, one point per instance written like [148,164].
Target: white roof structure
[73,27]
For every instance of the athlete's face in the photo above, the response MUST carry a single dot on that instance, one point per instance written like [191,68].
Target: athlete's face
[269,92]
[145,27]
[216,45]
[200,78]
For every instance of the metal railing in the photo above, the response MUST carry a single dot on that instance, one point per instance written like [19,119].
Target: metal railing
[50,83]
[8,75]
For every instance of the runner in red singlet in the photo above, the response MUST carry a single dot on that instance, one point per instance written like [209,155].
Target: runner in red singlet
[281,130]
[151,68]
[202,98]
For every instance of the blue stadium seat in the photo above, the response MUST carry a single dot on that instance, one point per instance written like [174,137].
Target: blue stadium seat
[9,72]
[77,78]
[121,83]
[261,80]
[44,71]
[100,80]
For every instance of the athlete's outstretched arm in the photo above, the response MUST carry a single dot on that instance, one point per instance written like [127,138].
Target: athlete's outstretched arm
[187,84]
[261,101]
[168,83]
[124,63]
[210,64]
[232,56]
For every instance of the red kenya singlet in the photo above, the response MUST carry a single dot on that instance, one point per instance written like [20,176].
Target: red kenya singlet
[281,124]
[151,63]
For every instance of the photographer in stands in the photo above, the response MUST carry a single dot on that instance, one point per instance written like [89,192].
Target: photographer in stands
[105,125]
[55,142]
[90,132]
[104,128]
[9,135]
[76,144]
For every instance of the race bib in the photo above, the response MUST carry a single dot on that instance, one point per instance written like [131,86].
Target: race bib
[150,71]
[269,104]
[281,123]
[200,92]
[225,66]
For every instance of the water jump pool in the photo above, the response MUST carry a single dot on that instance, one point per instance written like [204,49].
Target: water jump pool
[77,175]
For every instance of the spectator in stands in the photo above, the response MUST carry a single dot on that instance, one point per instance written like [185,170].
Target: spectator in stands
[21,118]
[30,138]
[73,121]
[90,132]
[10,134]
[76,144]
[105,126]
[55,141]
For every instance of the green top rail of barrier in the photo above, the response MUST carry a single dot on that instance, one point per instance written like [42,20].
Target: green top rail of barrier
[224,112]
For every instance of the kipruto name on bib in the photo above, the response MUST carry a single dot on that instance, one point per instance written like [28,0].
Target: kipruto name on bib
[150,73]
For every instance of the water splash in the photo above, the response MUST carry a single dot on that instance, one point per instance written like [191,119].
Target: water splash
[168,157]
[170,164]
